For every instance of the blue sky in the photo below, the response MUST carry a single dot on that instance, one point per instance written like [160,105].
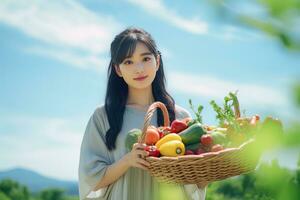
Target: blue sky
[54,56]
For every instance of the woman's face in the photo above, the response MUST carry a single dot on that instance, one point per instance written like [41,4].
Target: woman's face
[142,64]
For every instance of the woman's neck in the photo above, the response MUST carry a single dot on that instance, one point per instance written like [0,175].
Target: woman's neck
[140,97]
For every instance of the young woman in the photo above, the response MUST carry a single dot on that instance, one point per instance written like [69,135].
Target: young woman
[135,80]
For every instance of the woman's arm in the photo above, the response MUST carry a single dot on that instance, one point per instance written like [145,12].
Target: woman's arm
[116,170]
[113,173]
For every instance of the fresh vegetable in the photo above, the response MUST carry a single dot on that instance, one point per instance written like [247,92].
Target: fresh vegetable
[197,113]
[218,137]
[206,139]
[193,147]
[167,138]
[189,152]
[227,115]
[178,126]
[189,136]
[217,147]
[200,151]
[153,151]
[132,137]
[163,130]
[172,148]
[192,134]
[151,136]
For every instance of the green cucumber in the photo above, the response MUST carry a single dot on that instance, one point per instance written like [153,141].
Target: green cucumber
[192,134]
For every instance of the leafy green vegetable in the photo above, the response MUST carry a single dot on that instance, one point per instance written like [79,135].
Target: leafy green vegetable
[197,113]
[230,111]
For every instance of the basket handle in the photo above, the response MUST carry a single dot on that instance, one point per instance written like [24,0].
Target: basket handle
[149,115]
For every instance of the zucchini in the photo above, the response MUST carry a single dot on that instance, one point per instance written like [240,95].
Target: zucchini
[193,147]
[192,134]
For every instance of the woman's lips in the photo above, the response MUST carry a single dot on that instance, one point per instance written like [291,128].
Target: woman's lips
[140,78]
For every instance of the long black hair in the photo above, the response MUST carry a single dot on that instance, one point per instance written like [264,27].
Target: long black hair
[124,45]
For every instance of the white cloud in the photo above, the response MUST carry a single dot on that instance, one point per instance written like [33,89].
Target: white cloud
[79,60]
[230,33]
[157,8]
[195,25]
[214,88]
[63,25]
[42,144]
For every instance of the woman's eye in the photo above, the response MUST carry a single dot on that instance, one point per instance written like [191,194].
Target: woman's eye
[128,62]
[147,58]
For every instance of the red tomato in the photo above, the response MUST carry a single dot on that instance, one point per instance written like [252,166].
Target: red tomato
[206,139]
[163,130]
[153,151]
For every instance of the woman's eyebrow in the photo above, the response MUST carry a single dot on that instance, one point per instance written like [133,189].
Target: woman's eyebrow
[146,53]
[142,54]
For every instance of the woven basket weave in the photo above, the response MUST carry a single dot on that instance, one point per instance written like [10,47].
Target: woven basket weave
[194,169]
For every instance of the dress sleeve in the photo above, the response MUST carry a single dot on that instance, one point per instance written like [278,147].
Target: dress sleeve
[94,157]
[191,190]
[181,113]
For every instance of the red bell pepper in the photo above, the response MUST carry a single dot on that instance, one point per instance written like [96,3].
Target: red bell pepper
[178,126]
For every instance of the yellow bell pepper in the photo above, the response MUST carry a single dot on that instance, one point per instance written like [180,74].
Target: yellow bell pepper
[167,138]
[172,148]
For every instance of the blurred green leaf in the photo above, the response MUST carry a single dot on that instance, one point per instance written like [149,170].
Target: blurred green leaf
[280,19]
[297,93]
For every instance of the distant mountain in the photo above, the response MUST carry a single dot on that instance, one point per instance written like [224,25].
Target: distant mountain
[37,182]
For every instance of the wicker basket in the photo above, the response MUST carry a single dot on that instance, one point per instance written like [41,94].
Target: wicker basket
[204,168]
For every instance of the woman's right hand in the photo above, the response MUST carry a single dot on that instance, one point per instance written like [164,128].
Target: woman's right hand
[135,158]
